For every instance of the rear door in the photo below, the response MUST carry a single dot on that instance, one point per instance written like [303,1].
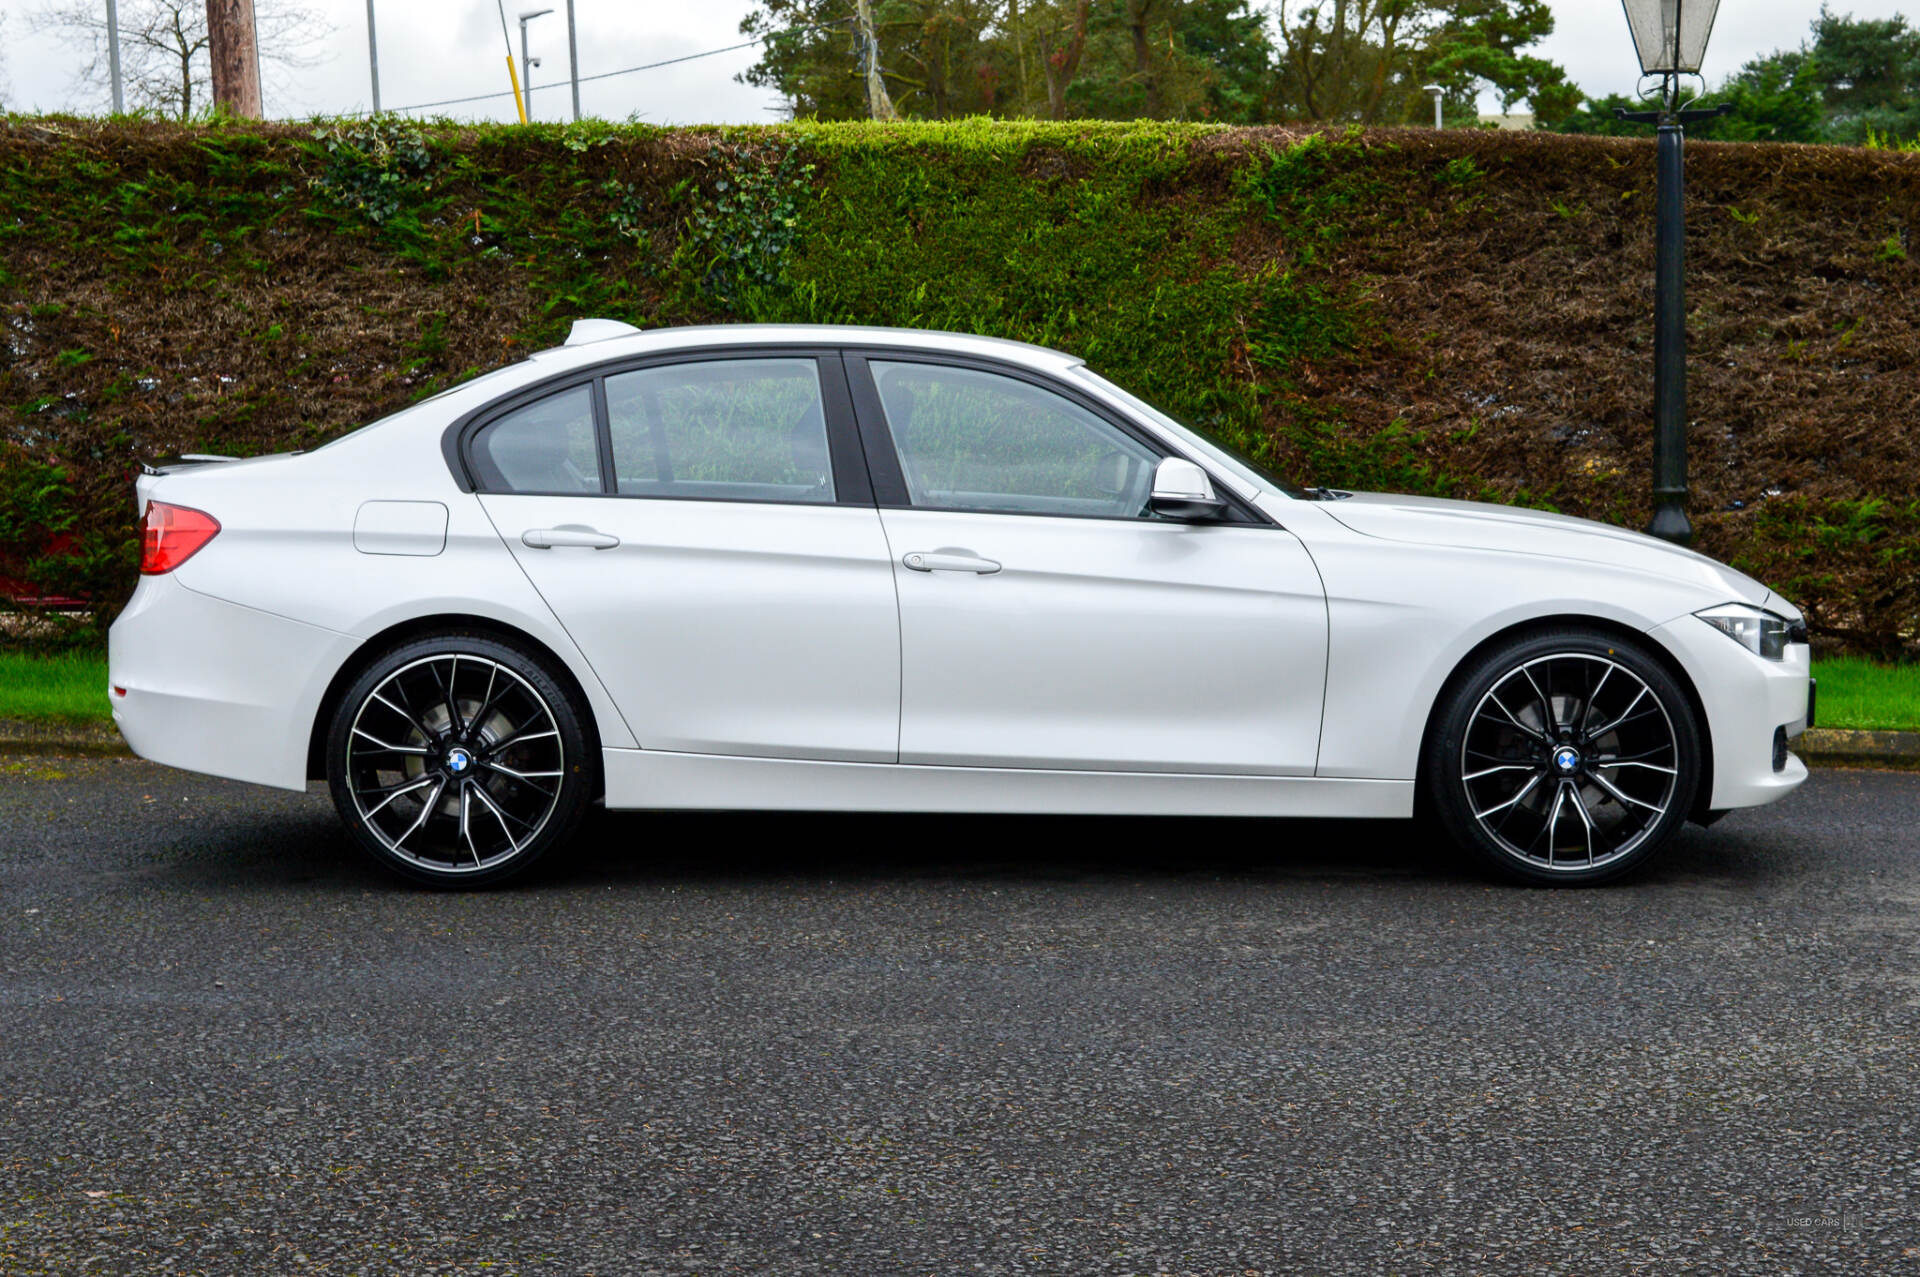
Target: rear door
[1048,618]
[704,528]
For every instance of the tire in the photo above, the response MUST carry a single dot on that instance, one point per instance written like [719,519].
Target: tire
[1566,758]
[458,760]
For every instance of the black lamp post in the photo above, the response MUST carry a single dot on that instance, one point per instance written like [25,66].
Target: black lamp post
[1671,38]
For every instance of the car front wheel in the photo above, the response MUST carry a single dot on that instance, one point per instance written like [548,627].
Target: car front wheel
[459,760]
[1566,757]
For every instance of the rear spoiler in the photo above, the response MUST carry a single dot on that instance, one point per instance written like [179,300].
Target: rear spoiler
[152,470]
[180,461]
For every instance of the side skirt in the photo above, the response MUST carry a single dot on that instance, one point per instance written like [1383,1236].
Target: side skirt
[658,780]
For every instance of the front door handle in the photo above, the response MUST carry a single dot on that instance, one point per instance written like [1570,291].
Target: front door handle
[948,559]
[555,538]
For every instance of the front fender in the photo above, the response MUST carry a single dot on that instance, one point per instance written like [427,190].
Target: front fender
[1403,617]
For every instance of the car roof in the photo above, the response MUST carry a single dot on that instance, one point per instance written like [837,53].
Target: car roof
[588,350]
[691,337]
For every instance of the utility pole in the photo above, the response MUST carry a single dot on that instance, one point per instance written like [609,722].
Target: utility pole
[879,105]
[373,58]
[573,61]
[113,56]
[235,55]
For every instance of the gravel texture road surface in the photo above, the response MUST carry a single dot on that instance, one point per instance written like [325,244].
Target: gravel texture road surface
[866,1046]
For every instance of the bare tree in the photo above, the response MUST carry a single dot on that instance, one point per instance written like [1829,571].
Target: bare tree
[163,47]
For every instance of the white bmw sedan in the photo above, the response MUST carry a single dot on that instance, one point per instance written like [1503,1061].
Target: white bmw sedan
[874,569]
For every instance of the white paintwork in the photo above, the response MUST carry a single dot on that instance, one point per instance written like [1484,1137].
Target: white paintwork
[400,527]
[725,627]
[1745,700]
[1468,525]
[215,687]
[1121,645]
[1404,616]
[662,780]
[1104,666]
[1178,477]
[285,548]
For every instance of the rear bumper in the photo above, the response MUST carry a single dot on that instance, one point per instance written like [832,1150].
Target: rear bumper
[1747,700]
[214,687]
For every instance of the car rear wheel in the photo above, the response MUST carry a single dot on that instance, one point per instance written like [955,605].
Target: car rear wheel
[458,760]
[1567,757]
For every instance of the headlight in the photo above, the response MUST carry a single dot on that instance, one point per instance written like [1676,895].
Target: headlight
[1760,632]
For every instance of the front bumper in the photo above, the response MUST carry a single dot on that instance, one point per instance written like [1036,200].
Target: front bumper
[213,687]
[1747,700]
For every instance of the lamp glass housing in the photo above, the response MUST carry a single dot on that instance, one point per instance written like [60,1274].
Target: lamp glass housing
[1671,35]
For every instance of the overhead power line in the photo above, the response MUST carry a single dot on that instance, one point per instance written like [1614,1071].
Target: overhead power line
[608,75]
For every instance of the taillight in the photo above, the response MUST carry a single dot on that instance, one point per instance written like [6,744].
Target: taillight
[173,534]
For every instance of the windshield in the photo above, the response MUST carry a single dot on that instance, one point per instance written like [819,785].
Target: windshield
[1239,467]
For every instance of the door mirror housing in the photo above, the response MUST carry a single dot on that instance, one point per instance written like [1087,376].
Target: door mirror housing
[1181,490]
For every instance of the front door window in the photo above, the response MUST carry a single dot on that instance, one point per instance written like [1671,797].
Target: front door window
[974,440]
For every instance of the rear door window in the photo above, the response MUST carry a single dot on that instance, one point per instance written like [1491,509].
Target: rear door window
[721,430]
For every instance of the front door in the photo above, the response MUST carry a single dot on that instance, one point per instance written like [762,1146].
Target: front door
[1049,620]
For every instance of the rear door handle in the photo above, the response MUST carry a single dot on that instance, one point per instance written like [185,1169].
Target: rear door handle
[556,538]
[949,559]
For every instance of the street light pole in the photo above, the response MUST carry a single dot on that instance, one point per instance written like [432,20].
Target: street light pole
[1671,38]
[527,64]
[1670,337]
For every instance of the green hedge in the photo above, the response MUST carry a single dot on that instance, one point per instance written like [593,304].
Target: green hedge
[1462,314]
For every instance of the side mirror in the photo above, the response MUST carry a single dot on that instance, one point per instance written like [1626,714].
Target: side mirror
[1181,490]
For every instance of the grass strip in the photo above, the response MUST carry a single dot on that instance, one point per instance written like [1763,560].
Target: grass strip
[1858,693]
[65,687]
[71,687]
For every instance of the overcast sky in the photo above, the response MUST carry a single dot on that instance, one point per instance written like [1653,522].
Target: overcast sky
[437,49]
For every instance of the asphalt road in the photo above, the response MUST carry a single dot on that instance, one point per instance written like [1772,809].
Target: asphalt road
[879,1045]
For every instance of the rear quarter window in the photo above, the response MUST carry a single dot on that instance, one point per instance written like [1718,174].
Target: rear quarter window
[546,446]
